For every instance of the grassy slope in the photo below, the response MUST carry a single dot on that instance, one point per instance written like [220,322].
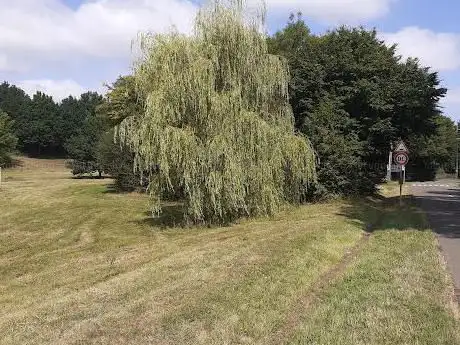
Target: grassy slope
[396,292]
[80,265]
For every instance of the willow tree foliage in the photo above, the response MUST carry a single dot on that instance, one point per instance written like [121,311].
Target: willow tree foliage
[217,125]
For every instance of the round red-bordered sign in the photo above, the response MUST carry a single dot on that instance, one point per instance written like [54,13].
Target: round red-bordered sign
[401,158]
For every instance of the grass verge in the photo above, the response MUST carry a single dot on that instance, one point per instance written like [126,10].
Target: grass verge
[397,291]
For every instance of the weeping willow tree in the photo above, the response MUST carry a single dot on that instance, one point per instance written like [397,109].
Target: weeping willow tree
[217,125]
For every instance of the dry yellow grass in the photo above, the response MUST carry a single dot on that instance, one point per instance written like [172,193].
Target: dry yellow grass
[82,265]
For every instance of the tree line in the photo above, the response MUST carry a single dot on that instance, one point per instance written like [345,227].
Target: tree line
[42,126]
[353,96]
[204,116]
[77,128]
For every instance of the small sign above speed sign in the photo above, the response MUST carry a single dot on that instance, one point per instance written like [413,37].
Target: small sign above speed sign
[401,158]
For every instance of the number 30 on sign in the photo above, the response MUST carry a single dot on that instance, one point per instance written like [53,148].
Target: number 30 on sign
[401,158]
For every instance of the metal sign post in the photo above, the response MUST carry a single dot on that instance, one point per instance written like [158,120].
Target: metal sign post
[401,182]
[390,161]
[401,157]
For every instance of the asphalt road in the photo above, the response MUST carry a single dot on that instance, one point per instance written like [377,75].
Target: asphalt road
[441,201]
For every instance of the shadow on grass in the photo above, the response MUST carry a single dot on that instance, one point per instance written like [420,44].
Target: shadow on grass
[172,216]
[374,213]
[378,213]
[112,188]
[89,177]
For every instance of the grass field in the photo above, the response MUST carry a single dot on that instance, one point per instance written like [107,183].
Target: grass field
[80,264]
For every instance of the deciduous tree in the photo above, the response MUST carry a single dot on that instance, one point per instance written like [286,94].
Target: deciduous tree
[353,95]
[217,123]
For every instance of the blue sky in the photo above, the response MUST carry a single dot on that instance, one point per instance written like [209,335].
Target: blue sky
[69,46]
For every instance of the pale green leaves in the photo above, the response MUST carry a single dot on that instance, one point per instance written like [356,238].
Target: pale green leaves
[217,125]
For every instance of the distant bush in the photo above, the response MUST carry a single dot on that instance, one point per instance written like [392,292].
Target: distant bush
[80,168]
[118,161]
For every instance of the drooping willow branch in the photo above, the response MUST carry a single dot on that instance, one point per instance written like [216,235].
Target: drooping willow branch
[217,124]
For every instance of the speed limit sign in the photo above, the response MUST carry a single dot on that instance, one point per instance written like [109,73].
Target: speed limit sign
[401,158]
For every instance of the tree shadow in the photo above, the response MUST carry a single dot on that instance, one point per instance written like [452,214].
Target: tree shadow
[378,213]
[89,177]
[171,216]
[112,188]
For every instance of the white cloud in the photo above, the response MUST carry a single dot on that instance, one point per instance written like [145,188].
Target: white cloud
[334,11]
[36,31]
[59,89]
[45,39]
[49,30]
[441,51]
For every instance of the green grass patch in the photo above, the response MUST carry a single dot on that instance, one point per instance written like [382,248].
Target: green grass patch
[397,290]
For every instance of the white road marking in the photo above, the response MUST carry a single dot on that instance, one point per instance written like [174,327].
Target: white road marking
[432,185]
